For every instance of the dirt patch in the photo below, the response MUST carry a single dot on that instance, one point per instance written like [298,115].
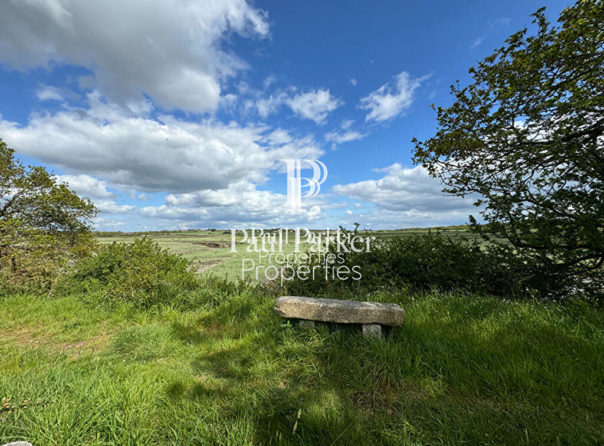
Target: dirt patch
[214,245]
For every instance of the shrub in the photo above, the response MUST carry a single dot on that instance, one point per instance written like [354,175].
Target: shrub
[141,272]
[434,261]
[32,260]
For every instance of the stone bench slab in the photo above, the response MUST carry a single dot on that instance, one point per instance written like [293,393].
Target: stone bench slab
[339,311]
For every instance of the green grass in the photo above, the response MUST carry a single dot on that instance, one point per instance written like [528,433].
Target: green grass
[227,370]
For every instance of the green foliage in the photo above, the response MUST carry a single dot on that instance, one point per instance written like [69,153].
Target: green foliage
[423,262]
[526,139]
[430,261]
[43,225]
[141,272]
[35,198]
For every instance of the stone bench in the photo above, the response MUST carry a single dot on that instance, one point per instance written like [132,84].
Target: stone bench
[371,315]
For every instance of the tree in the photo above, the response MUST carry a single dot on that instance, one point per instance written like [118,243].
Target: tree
[43,224]
[526,138]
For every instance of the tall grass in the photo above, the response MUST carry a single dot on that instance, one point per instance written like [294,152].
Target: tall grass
[224,369]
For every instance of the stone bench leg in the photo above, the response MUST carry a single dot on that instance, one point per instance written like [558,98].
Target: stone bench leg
[305,323]
[372,330]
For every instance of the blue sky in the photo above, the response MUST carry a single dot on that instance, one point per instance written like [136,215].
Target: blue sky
[176,114]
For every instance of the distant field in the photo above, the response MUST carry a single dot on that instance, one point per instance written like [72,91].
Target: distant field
[207,250]
[450,231]
[210,251]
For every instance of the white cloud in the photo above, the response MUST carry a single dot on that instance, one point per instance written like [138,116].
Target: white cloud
[314,105]
[347,124]
[105,224]
[344,134]
[353,82]
[86,185]
[269,105]
[111,207]
[48,93]
[410,191]
[145,154]
[268,81]
[391,99]
[169,49]
[240,204]
[279,136]
[477,42]
[341,137]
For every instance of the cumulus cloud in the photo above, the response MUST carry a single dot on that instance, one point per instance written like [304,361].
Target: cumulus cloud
[410,191]
[269,105]
[240,203]
[141,153]
[314,105]
[391,99]
[86,185]
[111,207]
[167,49]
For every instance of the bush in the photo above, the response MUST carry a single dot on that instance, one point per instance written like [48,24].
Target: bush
[141,272]
[434,261]
[33,261]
